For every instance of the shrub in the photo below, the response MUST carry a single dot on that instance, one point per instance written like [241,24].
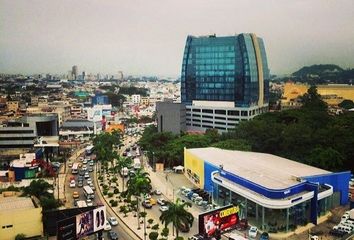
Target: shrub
[165,232]
[114,179]
[116,191]
[155,227]
[179,238]
[105,192]
[110,201]
[122,208]
[153,235]
[110,194]
[114,204]
[150,220]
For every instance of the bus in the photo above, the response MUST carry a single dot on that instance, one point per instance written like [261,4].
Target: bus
[75,168]
[89,192]
[89,150]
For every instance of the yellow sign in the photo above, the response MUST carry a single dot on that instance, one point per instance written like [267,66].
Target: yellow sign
[229,211]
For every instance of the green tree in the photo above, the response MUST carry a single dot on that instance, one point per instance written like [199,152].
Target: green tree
[121,163]
[38,188]
[137,185]
[346,104]
[20,236]
[328,158]
[233,144]
[177,215]
[153,235]
[312,100]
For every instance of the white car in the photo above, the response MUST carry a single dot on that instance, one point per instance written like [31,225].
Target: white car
[89,181]
[157,192]
[253,232]
[163,208]
[89,202]
[107,226]
[113,221]
[72,184]
[161,201]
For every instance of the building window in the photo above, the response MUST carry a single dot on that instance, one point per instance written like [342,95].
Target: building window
[196,115]
[233,113]
[207,116]
[161,123]
[223,112]
[221,118]
[207,111]
[196,110]
[244,113]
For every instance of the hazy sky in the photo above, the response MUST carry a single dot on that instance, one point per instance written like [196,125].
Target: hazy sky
[148,36]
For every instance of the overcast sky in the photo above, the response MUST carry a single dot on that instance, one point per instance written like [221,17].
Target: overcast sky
[147,37]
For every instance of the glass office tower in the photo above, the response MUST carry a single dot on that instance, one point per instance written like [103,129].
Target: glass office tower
[222,74]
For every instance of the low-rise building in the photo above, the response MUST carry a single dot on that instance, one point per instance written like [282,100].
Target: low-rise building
[19,215]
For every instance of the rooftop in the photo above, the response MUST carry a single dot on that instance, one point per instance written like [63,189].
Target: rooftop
[14,203]
[267,170]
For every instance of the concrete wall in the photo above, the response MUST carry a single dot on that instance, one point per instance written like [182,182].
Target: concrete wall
[171,117]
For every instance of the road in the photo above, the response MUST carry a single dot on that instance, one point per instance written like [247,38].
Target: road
[120,229]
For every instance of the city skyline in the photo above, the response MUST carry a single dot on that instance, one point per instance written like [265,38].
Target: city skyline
[140,37]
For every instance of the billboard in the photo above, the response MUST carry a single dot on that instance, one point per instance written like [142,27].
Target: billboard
[81,225]
[219,220]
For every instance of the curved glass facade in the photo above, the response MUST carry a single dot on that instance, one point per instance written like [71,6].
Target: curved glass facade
[224,69]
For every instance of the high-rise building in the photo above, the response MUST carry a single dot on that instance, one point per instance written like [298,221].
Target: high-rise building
[75,72]
[224,80]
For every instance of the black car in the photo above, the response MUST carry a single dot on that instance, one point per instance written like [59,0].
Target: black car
[112,235]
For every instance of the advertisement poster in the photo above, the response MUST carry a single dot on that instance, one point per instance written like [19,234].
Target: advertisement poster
[84,224]
[222,219]
[99,220]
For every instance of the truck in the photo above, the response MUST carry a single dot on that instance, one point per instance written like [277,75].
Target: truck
[136,163]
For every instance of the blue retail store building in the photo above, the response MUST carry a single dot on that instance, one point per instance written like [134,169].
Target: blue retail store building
[274,193]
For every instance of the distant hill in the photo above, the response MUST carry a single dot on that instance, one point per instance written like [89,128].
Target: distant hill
[324,73]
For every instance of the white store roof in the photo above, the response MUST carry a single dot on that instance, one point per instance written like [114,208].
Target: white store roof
[267,170]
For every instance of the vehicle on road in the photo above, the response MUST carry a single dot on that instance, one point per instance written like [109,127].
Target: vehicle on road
[253,232]
[161,201]
[163,208]
[112,235]
[107,226]
[158,192]
[89,181]
[87,175]
[89,150]
[70,165]
[76,195]
[113,221]
[80,184]
[80,203]
[89,202]
[91,163]
[75,168]
[72,184]
[88,192]
[146,204]
[84,168]
[90,169]
[264,236]
[92,187]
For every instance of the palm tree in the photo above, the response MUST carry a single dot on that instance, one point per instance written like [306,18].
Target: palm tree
[137,185]
[177,215]
[121,163]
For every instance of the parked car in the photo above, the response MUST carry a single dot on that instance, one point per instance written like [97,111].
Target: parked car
[253,232]
[163,208]
[89,181]
[264,236]
[161,201]
[112,235]
[80,184]
[157,192]
[146,204]
[113,221]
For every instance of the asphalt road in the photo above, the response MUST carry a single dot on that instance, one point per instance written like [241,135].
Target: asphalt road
[120,229]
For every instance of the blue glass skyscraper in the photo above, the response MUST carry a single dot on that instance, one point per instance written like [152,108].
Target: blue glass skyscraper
[226,76]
